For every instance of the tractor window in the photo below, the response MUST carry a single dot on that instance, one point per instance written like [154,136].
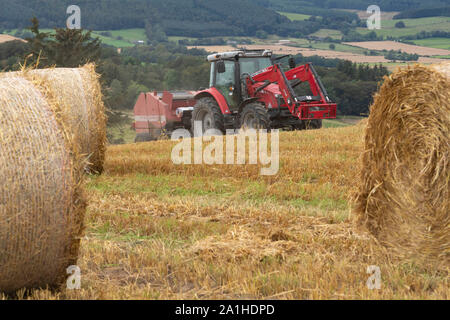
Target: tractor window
[226,78]
[252,65]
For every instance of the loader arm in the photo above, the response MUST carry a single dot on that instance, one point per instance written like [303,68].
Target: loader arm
[318,106]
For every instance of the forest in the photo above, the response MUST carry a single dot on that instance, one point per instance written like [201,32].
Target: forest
[423,13]
[193,18]
[196,18]
[385,5]
[212,18]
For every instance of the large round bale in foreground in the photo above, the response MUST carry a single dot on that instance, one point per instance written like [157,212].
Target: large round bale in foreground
[79,93]
[404,196]
[41,204]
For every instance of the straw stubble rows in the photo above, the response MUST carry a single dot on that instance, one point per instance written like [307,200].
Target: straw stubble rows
[156,230]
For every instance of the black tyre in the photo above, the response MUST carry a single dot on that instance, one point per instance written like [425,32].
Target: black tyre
[313,124]
[143,137]
[207,112]
[255,116]
[299,125]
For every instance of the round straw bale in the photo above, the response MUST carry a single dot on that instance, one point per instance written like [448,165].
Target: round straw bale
[41,202]
[404,194]
[78,93]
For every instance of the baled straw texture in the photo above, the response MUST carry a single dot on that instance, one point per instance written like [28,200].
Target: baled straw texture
[41,203]
[404,195]
[78,92]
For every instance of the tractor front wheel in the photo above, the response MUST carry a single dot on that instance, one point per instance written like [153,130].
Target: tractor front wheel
[206,116]
[255,116]
[313,124]
[143,137]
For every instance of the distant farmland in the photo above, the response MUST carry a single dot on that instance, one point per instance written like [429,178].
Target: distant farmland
[363,15]
[295,16]
[6,38]
[441,43]
[307,52]
[413,26]
[393,45]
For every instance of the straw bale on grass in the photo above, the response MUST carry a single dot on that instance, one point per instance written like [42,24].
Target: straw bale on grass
[41,202]
[404,195]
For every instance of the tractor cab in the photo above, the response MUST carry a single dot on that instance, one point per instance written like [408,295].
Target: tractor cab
[228,70]
[251,89]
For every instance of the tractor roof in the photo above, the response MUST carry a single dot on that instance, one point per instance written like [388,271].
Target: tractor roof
[241,53]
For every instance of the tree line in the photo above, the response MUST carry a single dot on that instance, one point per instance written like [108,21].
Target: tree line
[423,13]
[385,5]
[192,18]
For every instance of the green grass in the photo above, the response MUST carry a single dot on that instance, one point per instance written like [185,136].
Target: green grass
[122,132]
[129,36]
[439,43]
[323,33]
[12,32]
[294,16]
[413,26]
[339,47]
[168,185]
[114,42]
[333,124]
[341,121]
[257,192]
[177,38]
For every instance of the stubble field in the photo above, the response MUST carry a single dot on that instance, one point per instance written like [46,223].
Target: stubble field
[155,230]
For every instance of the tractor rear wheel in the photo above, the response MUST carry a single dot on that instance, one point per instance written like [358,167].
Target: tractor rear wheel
[206,115]
[255,116]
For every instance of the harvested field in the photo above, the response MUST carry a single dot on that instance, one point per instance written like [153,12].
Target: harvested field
[329,54]
[393,45]
[363,15]
[7,37]
[156,230]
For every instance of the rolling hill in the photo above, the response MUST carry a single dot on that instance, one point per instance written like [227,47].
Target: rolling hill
[177,17]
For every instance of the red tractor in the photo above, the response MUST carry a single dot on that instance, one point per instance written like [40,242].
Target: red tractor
[248,89]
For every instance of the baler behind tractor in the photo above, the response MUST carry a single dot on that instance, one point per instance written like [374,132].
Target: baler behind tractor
[248,89]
